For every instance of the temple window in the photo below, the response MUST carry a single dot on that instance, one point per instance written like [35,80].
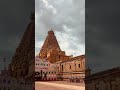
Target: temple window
[79,65]
[70,66]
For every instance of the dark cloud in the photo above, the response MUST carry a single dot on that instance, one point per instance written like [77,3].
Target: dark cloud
[66,18]
[102,34]
[14,17]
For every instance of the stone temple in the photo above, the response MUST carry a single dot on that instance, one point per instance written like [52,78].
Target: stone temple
[66,66]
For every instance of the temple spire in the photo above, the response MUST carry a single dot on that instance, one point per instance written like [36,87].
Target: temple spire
[50,32]
[50,43]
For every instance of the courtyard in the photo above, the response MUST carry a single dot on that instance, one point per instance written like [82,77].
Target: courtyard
[58,85]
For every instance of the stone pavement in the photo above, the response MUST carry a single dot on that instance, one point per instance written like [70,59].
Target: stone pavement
[58,85]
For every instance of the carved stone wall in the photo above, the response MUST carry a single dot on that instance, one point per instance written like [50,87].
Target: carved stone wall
[25,52]
[105,80]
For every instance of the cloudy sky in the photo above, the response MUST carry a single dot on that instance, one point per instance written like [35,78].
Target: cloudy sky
[66,18]
[14,17]
[102,34]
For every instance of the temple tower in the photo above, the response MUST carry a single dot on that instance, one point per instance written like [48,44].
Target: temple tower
[25,52]
[51,49]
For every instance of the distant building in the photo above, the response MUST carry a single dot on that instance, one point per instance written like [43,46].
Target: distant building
[104,80]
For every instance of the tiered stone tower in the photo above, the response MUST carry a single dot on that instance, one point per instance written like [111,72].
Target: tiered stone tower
[66,66]
[51,49]
[25,53]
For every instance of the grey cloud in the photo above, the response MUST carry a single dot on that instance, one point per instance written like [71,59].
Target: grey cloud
[67,14]
[102,34]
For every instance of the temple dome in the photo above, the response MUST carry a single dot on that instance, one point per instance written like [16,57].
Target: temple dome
[51,32]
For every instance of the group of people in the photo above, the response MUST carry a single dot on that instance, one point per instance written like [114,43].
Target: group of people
[75,79]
